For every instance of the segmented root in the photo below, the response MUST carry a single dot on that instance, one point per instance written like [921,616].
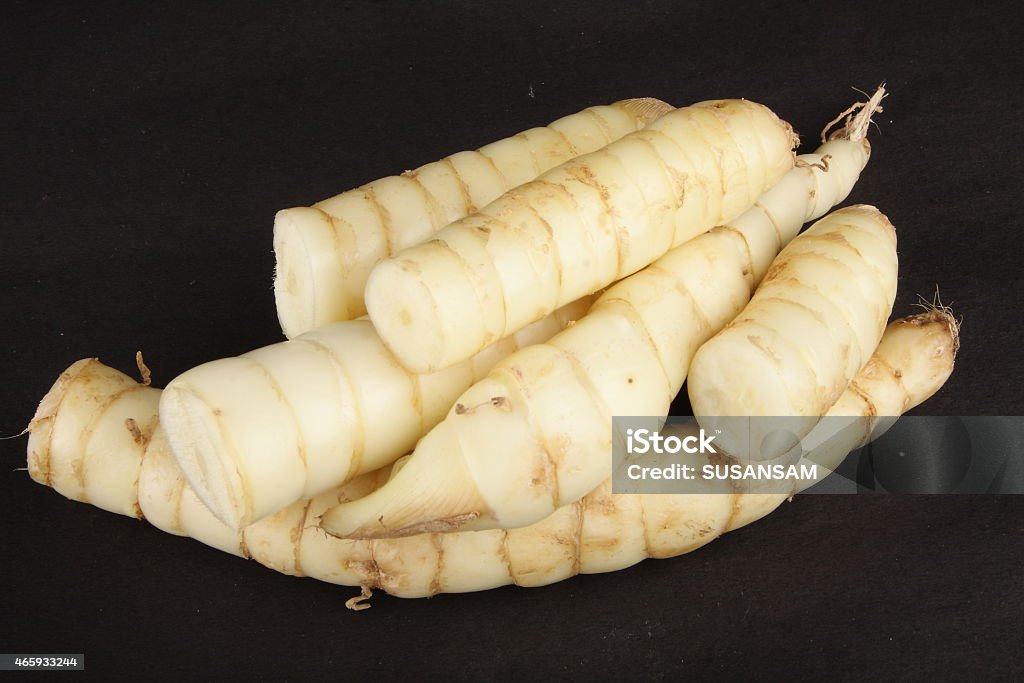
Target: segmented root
[855,126]
[601,533]
[51,401]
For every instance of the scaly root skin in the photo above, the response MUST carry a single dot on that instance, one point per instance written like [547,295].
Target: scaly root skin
[255,433]
[325,252]
[602,532]
[628,356]
[610,532]
[808,330]
[82,456]
[579,227]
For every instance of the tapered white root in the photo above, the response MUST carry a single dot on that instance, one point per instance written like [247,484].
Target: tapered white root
[286,422]
[913,360]
[808,330]
[579,227]
[535,434]
[105,418]
[602,532]
[325,252]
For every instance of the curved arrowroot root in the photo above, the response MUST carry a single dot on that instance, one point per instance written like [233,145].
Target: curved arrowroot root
[88,453]
[813,322]
[325,252]
[913,360]
[577,228]
[535,434]
[291,420]
[602,532]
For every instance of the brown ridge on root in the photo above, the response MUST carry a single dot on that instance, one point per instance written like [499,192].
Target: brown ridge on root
[387,227]
[133,429]
[147,436]
[601,124]
[506,560]
[243,548]
[433,206]
[78,468]
[577,558]
[297,539]
[537,167]
[50,403]
[437,542]
[467,200]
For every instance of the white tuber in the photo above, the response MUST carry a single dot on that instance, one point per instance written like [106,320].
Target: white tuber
[325,252]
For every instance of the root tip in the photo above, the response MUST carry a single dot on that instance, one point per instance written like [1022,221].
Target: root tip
[936,311]
[857,119]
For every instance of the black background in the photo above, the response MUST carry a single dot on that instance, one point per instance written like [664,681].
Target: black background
[146,149]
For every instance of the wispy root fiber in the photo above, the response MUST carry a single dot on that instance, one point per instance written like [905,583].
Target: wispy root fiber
[936,311]
[360,602]
[857,119]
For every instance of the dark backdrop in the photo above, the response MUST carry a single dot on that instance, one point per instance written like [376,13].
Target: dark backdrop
[146,149]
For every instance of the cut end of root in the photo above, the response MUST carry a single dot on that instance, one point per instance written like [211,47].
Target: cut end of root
[194,435]
[857,119]
[407,315]
[294,281]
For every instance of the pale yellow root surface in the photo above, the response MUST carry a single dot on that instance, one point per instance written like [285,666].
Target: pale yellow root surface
[811,325]
[535,433]
[255,433]
[325,252]
[602,532]
[579,227]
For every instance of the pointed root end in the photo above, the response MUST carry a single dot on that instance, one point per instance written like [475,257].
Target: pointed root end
[936,312]
[857,119]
